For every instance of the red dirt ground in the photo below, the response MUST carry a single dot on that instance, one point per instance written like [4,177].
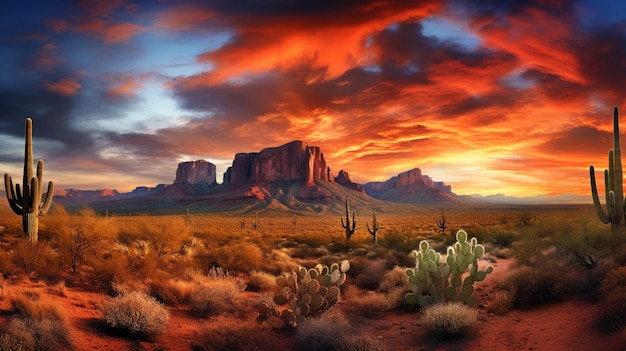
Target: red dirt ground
[561,326]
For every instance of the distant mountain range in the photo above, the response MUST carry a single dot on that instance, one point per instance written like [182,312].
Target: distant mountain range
[291,177]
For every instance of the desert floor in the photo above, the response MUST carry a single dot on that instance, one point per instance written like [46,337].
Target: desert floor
[568,325]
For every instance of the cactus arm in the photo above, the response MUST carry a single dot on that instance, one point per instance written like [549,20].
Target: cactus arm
[45,206]
[604,217]
[11,196]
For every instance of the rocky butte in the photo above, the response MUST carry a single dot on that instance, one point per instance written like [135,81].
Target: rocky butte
[292,161]
[410,187]
[194,172]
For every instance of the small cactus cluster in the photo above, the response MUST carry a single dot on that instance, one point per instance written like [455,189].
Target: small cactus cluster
[305,293]
[434,281]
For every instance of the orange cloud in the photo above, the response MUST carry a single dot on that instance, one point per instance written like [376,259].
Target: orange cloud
[109,33]
[125,86]
[66,86]
[537,38]
[121,32]
[47,57]
[261,44]
[184,18]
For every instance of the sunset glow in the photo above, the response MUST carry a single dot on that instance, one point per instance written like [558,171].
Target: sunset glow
[490,97]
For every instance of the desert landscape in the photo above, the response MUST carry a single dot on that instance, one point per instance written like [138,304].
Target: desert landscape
[212,273]
[372,175]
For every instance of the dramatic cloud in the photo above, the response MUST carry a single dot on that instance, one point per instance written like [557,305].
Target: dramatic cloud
[510,97]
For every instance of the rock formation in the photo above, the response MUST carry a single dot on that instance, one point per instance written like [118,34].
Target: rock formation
[292,161]
[343,178]
[194,172]
[410,187]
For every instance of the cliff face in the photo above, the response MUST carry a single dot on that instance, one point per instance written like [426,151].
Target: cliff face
[410,187]
[343,178]
[194,172]
[292,161]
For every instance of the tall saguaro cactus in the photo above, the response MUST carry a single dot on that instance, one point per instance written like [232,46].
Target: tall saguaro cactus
[349,228]
[375,227]
[613,184]
[26,202]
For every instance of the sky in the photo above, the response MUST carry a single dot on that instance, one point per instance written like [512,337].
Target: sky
[510,97]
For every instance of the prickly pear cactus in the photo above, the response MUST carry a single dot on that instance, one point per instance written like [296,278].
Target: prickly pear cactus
[436,281]
[305,293]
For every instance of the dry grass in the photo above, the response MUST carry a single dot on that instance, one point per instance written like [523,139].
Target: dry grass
[213,296]
[501,300]
[261,281]
[136,313]
[35,324]
[235,335]
[449,319]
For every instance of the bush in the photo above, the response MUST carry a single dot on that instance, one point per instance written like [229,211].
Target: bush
[449,319]
[17,335]
[260,281]
[36,324]
[613,289]
[235,336]
[215,295]
[136,313]
[501,301]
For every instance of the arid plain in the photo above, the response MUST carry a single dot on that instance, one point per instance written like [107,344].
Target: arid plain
[215,274]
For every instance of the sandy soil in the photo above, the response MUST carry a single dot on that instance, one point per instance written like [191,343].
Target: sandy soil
[563,326]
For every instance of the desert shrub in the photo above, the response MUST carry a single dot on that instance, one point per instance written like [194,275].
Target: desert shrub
[136,313]
[109,269]
[17,335]
[501,300]
[165,292]
[7,264]
[46,323]
[234,336]
[496,235]
[613,311]
[449,319]
[582,241]
[164,235]
[550,279]
[367,303]
[260,281]
[360,342]
[216,295]
[393,279]
[278,261]
[241,257]
[403,240]
[395,285]
[333,332]
[38,257]
[77,235]
[324,332]
[372,274]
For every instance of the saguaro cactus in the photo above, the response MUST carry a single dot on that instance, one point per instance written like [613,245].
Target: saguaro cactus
[26,202]
[442,223]
[349,228]
[375,227]
[613,184]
